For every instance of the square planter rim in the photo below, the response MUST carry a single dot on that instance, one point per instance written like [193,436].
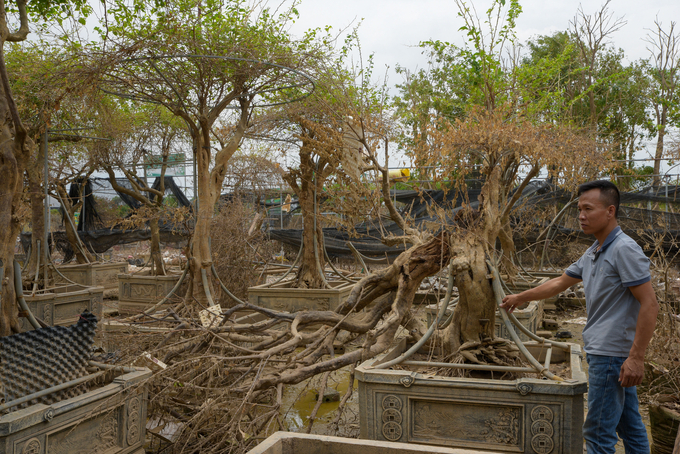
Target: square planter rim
[22,419]
[275,442]
[337,285]
[167,277]
[74,266]
[49,293]
[577,384]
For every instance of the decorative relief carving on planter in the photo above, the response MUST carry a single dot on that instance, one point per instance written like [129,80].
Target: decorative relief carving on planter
[467,422]
[96,436]
[504,429]
[47,314]
[524,388]
[407,381]
[97,308]
[542,427]
[392,431]
[133,421]
[541,412]
[542,444]
[143,291]
[32,446]
[126,290]
[391,417]
[542,430]
[107,435]
[392,401]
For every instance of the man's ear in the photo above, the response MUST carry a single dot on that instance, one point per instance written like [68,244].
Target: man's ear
[611,210]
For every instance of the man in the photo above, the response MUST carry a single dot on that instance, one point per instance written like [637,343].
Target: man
[622,309]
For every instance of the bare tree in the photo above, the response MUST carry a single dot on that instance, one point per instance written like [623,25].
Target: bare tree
[664,47]
[138,139]
[591,33]
[210,69]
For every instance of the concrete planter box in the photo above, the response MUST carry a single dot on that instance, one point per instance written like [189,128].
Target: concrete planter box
[520,285]
[91,274]
[294,443]
[110,420]
[282,297]
[531,317]
[526,415]
[61,306]
[138,292]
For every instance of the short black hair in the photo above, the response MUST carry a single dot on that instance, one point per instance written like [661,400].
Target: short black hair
[609,193]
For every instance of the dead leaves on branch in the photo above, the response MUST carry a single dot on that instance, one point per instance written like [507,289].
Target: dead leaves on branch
[501,138]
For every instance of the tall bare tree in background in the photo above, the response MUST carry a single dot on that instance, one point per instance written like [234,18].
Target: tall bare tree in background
[664,48]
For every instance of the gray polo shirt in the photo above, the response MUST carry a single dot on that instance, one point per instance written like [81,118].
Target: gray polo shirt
[612,308]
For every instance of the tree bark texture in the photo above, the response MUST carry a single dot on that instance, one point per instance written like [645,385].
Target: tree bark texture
[157,266]
[209,185]
[36,198]
[475,315]
[12,157]
[81,253]
[312,264]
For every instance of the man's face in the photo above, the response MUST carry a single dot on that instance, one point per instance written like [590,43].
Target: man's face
[594,214]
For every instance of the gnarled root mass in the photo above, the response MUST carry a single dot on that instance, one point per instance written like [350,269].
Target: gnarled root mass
[223,384]
[496,351]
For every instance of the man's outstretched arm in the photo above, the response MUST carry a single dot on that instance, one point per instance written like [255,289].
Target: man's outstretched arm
[543,291]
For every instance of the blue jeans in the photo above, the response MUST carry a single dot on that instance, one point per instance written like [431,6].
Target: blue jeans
[612,409]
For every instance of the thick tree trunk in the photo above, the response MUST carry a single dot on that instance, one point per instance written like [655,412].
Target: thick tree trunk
[157,267]
[508,247]
[37,220]
[11,184]
[309,274]
[475,315]
[201,256]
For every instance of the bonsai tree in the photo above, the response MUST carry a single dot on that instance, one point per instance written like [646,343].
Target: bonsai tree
[17,146]
[319,132]
[210,67]
[49,94]
[139,138]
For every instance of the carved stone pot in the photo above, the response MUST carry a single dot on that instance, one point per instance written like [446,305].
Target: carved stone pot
[138,292]
[110,419]
[61,306]
[296,443]
[282,297]
[91,274]
[526,415]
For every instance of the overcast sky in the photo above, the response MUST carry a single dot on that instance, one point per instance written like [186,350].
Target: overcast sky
[391,29]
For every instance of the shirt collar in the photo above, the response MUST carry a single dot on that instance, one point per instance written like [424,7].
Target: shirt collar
[610,238]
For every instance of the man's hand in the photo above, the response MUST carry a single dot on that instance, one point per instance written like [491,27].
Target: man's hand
[632,372]
[545,290]
[511,302]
